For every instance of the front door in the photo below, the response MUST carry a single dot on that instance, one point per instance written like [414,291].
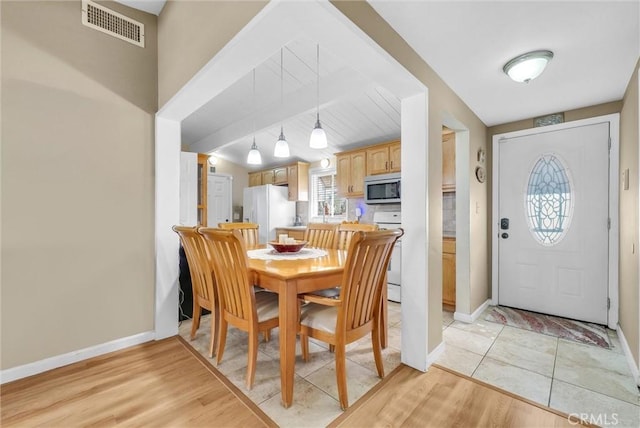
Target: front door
[553,199]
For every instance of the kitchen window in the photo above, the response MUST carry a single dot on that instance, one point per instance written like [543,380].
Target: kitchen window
[325,203]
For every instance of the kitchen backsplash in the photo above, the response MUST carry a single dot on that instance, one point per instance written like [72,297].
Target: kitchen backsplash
[449,213]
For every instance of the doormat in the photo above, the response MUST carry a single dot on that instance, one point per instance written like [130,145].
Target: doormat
[577,331]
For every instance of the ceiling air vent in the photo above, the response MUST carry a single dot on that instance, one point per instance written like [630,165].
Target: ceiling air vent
[106,20]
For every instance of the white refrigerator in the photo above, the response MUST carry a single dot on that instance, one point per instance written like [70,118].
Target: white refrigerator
[268,205]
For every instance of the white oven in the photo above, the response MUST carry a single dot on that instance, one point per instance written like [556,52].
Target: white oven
[392,220]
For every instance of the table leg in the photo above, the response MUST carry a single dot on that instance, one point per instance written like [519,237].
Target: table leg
[288,309]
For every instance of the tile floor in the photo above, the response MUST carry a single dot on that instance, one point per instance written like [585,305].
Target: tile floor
[567,376]
[315,396]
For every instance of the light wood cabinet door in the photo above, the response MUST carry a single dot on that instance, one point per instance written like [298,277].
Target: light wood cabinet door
[394,157]
[268,177]
[343,174]
[255,179]
[449,162]
[280,176]
[378,160]
[298,176]
[449,273]
[358,172]
[351,169]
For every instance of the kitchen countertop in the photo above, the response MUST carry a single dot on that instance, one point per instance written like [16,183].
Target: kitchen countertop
[293,227]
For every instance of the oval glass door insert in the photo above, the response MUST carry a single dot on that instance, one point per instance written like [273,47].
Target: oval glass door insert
[549,200]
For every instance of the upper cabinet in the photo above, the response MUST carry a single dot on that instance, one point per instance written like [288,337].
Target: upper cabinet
[295,176]
[351,168]
[383,158]
[448,160]
[255,178]
[298,181]
[277,176]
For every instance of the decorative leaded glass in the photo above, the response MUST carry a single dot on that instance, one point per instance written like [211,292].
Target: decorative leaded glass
[549,200]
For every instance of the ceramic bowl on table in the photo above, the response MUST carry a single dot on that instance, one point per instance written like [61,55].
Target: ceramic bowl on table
[289,247]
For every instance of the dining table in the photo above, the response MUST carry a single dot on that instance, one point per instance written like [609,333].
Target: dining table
[290,275]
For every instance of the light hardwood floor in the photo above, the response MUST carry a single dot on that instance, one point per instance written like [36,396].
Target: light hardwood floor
[157,384]
[443,398]
[167,383]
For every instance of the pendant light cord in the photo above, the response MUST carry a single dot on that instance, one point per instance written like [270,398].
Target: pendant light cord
[254,107]
[281,86]
[318,80]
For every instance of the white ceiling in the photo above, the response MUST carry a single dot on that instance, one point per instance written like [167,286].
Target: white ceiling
[596,46]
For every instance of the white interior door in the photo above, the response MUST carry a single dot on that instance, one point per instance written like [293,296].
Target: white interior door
[553,191]
[218,199]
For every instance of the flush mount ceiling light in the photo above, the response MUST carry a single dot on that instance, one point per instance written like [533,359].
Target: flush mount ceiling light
[527,67]
[254,157]
[318,138]
[281,150]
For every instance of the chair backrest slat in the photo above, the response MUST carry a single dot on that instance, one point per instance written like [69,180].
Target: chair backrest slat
[229,255]
[346,231]
[363,279]
[202,279]
[321,235]
[249,231]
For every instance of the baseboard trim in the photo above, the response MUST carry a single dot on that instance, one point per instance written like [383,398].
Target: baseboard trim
[458,316]
[435,354]
[627,353]
[19,372]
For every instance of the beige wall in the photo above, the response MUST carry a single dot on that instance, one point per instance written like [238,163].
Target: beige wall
[629,221]
[190,33]
[570,115]
[77,181]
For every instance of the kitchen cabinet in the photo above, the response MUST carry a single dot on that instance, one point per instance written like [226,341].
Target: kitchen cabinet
[350,171]
[295,233]
[295,176]
[203,170]
[255,179]
[448,161]
[449,273]
[298,181]
[277,176]
[383,158]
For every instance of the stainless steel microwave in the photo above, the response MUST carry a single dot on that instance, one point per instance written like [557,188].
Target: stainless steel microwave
[382,189]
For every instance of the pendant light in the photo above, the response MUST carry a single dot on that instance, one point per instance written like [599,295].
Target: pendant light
[318,138]
[254,157]
[281,150]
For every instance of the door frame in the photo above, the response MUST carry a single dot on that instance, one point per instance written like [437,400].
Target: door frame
[614,165]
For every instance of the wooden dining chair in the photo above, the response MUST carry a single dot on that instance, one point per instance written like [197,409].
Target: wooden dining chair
[203,284]
[321,235]
[249,231]
[240,306]
[346,230]
[356,313]
[341,241]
